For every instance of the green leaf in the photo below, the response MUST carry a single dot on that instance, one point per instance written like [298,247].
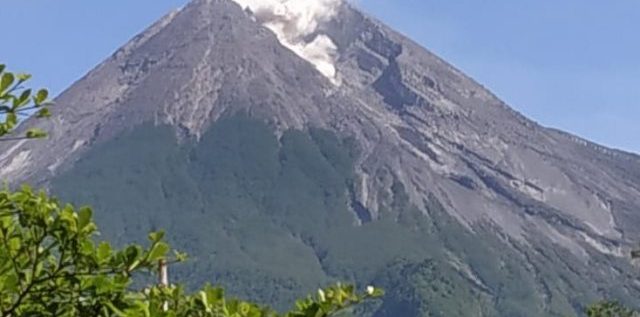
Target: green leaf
[22,77]
[43,113]
[22,100]
[156,236]
[158,251]
[36,134]
[115,310]
[180,256]
[6,81]
[40,97]
[11,119]
[2,68]
[132,257]
[84,218]
[10,283]
[87,247]
[104,252]
[14,244]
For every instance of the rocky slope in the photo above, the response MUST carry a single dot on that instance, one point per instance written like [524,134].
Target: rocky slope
[406,172]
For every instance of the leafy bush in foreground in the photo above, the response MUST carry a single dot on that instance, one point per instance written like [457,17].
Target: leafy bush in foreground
[50,265]
[18,102]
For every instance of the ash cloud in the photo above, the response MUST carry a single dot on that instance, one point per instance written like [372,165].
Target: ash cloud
[296,22]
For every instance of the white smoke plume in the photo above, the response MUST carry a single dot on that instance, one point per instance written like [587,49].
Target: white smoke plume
[294,21]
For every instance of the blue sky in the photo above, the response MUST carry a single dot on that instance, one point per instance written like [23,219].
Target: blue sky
[570,64]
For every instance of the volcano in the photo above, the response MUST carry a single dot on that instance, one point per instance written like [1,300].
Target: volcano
[394,169]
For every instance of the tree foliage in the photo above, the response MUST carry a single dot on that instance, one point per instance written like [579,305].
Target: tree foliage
[613,308]
[609,309]
[51,265]
[18,102]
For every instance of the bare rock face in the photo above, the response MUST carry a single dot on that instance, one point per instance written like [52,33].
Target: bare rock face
[442,133]
[185,70]
[415,119]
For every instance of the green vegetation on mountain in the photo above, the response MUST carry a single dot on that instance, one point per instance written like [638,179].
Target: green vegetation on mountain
[610,309]
[271,217]
[268,217]
[50,264]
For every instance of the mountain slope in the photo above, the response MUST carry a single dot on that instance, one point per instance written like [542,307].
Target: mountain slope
[407,173]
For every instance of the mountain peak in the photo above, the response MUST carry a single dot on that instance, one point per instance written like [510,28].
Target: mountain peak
[185,70]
